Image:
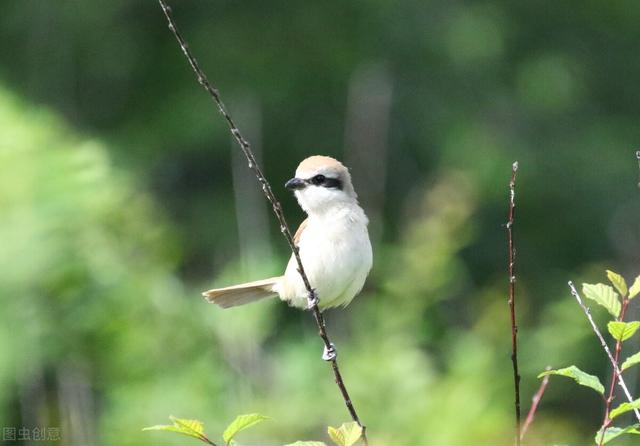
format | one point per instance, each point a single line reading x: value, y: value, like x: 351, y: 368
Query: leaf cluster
x: 346, y: 435
x: 612, y: 298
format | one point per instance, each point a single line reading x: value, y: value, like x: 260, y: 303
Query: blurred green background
x: 122, y: 196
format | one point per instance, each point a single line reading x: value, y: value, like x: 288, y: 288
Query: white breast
x: 336, y: 255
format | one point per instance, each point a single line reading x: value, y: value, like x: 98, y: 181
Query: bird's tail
x: 245, y: 293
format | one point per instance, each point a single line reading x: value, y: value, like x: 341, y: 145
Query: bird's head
x: 321, y: 183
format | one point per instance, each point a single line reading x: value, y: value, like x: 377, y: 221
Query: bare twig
x: 535, y: 402
x: 613, y: 361
x: 512, y: 297
x: 330, y: 351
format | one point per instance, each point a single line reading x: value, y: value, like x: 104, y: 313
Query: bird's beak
x: 295, y: 184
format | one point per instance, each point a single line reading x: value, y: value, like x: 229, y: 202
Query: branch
x: 535, y: 401
x: 606, y: 421
x: 512, y: 298
x: 329, y: 348
x: 204, y: 439
x: 616, y: 369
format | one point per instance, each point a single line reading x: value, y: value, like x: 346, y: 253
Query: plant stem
x: 606, y: 422
x: 205, y: 439
x: 512, y: 297
x: 603, y: 343
x: 535, y: 401
x: 277, y: 209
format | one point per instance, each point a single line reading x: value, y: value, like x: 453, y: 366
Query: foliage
x: 635, y: 288
x: 347, y: 434
x: 624, y: 408
x: 630, y: 361
x: 615, y: 432
x: 190, y: 428
x: 621, y: 331
x: 582, y: 378
x: 603, y: 295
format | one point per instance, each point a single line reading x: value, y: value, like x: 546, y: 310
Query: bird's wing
x: 298, y: 234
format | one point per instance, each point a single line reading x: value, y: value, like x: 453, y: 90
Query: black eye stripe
x: 321, y: 180
x: 333, y: 183
x: 318, y: 180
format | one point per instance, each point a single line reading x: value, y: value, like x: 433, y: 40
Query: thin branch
x: 512, y: 297
x: 205, y: 439
x: 535, y: 402
x: 625, y: 389
x: 330, y: 350
x: 606, y: 421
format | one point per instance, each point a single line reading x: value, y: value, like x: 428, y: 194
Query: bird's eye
x: 318, y: 179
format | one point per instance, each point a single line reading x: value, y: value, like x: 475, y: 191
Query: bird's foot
x: 330, y: 353
x: 312, y: 300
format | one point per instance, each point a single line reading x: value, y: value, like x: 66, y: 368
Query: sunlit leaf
x: 604, y: 295
x: 635, y: 288
x: 307, y: 443
x: 335, y: 436
x: 190, y: 428
x: 624, y: 408
x: 582, y: 378
x: 346, y: 435
x: 240, y: 423
x: 618, y: 281
x: 631, y: 360
x: 614, y: 432
x: 621, y: 331
x: 194, y: 426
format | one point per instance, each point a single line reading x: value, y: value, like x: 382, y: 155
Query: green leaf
x: 631, y: 360
x: 240, y: 423
x: 624, y: 408
x: 615, y: 432
x: 618, y: 281
x: 346, y: 435
x: 582, y: 378
x: 190, y: 428
x: 307, y: 443
x: 621, y: 331
x: 635, y: 288
x: 603, y: 295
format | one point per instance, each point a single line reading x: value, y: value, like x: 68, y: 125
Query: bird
x: 333, y: 243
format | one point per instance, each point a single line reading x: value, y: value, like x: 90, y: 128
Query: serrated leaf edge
x: 632, y: 429
x: 635, y: 288
x: 618, y: 282
x: 339, y: 435
x: 624, y: 408
x: 591, y: 291
x: 228, y: 433
x: 627, y: 329
x: 558, y: 372
x: 631, y: 361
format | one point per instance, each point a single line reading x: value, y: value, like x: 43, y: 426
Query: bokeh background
x: 122, y: 196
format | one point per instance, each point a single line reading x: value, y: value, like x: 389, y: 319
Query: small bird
x: 333, y: 243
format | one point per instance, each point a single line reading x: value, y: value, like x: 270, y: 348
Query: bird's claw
x: 330, y: 353
x: 313, y: 300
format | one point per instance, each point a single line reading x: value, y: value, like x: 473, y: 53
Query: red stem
x: 535, y: 401
x: 606, y: 421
